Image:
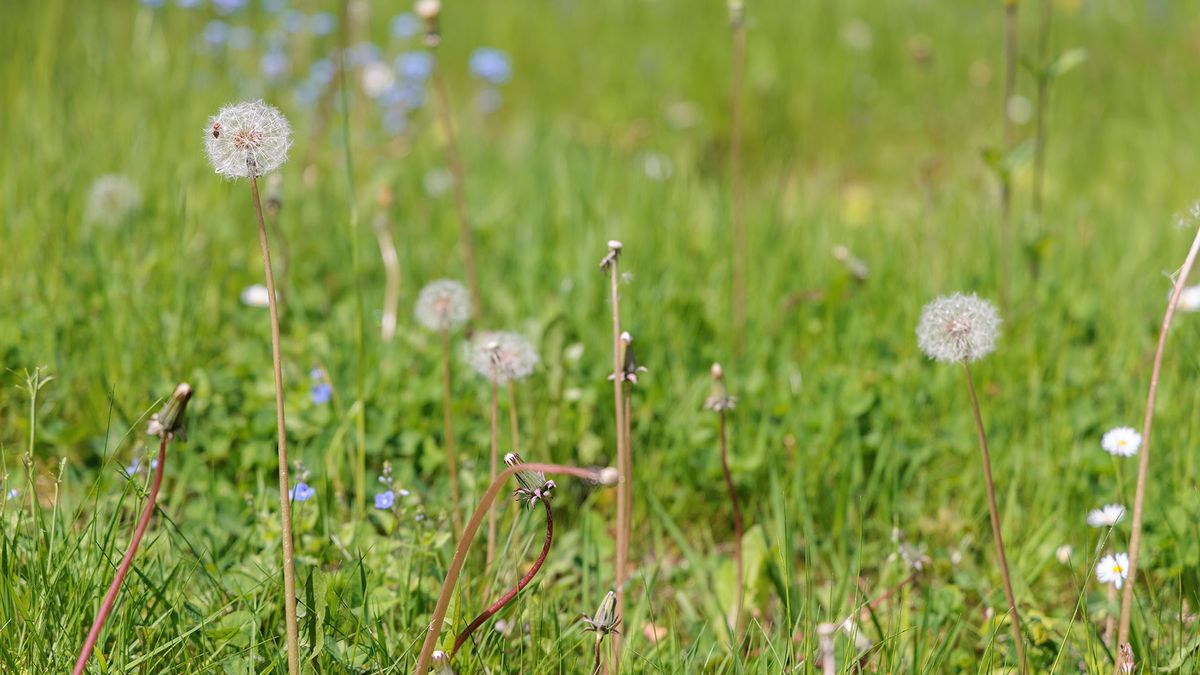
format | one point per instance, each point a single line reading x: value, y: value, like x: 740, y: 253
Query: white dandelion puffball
x: 247, y: 139
x: 1106, y: 516
x: 443, y: 305
x: 1121, y: 441
x: 958, y: 328
x: 1113, y: 569
x: 112, y: 199
x: 501, y: 355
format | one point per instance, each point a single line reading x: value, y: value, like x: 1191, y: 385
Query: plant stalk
x: 622, y: 536
x: 737, y: 532
x: 491, y: 531
x: 448, y: 436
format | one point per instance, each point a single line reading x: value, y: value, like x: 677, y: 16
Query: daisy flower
x: 1113, y: 569
x: 1122, y: 441
x: 1106, y: 516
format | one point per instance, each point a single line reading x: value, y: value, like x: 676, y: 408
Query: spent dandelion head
x: 719, y: 399
x: 958, y: 328
x: 630, y: 368
x: 1121, y: 441
x: 533, y: 484
x: 112, y: 199
x: 610, y: 258
x: 502, y: 356
x: 247, y: 139
x: 429, y: 11
x: 443, y: 305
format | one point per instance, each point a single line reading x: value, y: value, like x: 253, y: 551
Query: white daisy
x: 1123, y: 441
x: 1113, y: 569
x: 1106, y: 516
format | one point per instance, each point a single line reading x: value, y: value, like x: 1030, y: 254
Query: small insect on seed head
x: 534, y: 486
x: 216, y: 130
x: 247, y: 139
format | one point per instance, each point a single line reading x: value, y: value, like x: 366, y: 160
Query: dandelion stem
x: 596, y: 668
x: 627, y: 469
x: 737, y: 532
x: 1015, y: 624
x: 464, y: 545
x: 1139, y: 498
x: 448, y: 435
x: 512, y: 416
x: 110, y: 598
x: 460, y: 197
x: 285, y: 506
x: 738, y: 28
x: 512, y: 592
x: 621, y: 534
x: 491, y: 533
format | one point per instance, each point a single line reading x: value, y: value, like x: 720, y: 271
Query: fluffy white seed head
x: 958, y: 328
x: 112, y: 199
x: 247, y: 139
x: 444, y: 304
x: 502, y: 355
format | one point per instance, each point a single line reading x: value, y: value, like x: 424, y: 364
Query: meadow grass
x: 845, y: 444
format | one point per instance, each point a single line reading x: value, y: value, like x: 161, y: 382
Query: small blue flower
x: 294, y: 21
x: 13, y: 494
x: 216, y: 33
x: 415, y: 66
x: 228, y: 6
x: 301, y: 492
x: 154, y: 463
x: 405, y: 26
x: 241, y: 37
x: 274, y: 64
x: 317, y: 374
x: 321, y: 393
x: 322, y: 23
x: 134, y: 466
x: 491, y: 65
x: 385, y: 500
x: 362, y: 53
x: 403, y: 493
x: 395, y: 121
x: 407, y: 95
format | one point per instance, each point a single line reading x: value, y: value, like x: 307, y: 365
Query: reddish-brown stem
x: 994, y: 512
x: 739, y: 190
x: 285, y: 502
x: 460, y: 196
x: 737, y: 533
x: 110, y: 598
x: 1139, y: 498
x: 491, y: 532
x: 464, y: 545
x: 621, y: 535
x: 596, y: 668
x: 512, y: 592
x: 627, y: 470
x: 448, y: 435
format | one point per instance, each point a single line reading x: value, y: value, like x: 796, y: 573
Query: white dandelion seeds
x: 505, y: 356
x: 1121, y: 441
x: 442, y: 305
x: 112, y: 199
x: 1106, y: 516
x: 247, y: 139
x: 1113, y: 569
x: 958, y: 328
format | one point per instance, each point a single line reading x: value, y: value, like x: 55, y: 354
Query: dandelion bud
x: 170, y: 420
x: 719, y: 399
x: 534, y: 486
x: 605, y: 620
x: 958, y: 328
x: 441, y: 663
x: 247, y: 139
x: 443, y: 305
x: 610, y: 258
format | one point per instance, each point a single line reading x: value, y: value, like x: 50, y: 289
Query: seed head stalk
x: 621, y: 533
x: 285, y: 506
x: 513, y: 423
x: 448, y: 434
x: 1139, y: 498
x: 512, y: 592
x: 994, y: 512
x: 491, y: 531
x: 110, y: 598
x: 468, y: 535
x: 391, y: 266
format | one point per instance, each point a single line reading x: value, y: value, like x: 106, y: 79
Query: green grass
x: 843, y: 433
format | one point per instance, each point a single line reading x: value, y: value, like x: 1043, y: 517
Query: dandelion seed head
x: 442, y: 305
x: 1121, y: 441
x: 112, y: 199
x: 1106, y: 516
x: 958, y: 328
x: 247, y: 139
x: 1113, y: 569
x: 502, y: 355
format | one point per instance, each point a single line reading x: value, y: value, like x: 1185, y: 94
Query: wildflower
x: 415, y: 66
x: 385, y: 500
x: 1063, y: 554
x: 216, y: 32
x: 605, y: 620
x: 1122, y: 441
x: 322, y: 23
x: 322, y: 71
x: 274, y: 64
x: 301, y: 492
x: 491, y: 65
x: 13, y: 493
x: 958, y: 328
x: 1113, y: 569
x: 503, y: 356
x: 247, y: 139
x: 405, y: 26
x: 362, y: 53
x: 317, y: 374
x: 112, y: 199
x: 321, y: 393
x: 443, y: 305
x: 170, y: 419
x: 1189, y: 299
x: 534, y: 486
x: 395, y: 121
x: 1106, y: 516
x: 441, y: 664
x: 256, y: 295
x: 134, y: 466
x: 377, y: 78
x: 719, y: 400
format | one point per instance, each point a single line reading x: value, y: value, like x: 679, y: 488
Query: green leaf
x: 1068, y: 61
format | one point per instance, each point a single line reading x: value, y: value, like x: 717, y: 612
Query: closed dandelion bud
x: 247, y: 139
x: 170, y: 420
x: 630, y: 369
x: 605, y: 620
x: 534, y: 486
x: 443, y: 305
x: 614, y: 252
x: 719, y: 399
x: 441, y: 663
x: 958, y: 328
